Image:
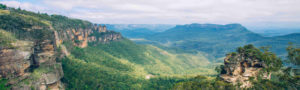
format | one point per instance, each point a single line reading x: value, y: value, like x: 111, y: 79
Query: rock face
x: 14, y: 62
x: 31, y: 62
x: 81, y: 37
x: 240, y: 69
x: 31, y: 45
x: 109, y: 37
x: 31, y: 65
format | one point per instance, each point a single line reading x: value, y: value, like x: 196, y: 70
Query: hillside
x: 28, y: 51
x: 70, y: 53
x: 123, y: 61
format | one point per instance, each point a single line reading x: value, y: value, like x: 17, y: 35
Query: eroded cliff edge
x: 31, y: 65
x: 32, y: 44
x: 249, y: 64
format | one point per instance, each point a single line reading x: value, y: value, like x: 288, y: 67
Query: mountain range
x: 217, y: 40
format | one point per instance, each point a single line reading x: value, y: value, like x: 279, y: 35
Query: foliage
x: 83, y: 75
x: 220, y: 69
x: 283, y: 81
x: 6, y: 39
x: 271, y: 61
x: 25, y: 27
x: 202, y: 82
x: 3, y: 6
x: 3, y: 84
x: 62, y: 23
x: 130, y: 63
x: 90, y: 76
x: 293, y: 55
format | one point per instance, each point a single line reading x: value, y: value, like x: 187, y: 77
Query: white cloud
x: 171, y: 11
x: 25, y: 5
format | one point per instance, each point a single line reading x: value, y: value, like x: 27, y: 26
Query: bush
x: 3, y: 6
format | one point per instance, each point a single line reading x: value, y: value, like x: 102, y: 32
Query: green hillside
x: 124, y: 61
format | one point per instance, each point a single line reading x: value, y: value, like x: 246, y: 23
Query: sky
x: 251, y: 13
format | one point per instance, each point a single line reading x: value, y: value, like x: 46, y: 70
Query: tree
x: 293, y: 55
x: 220, y: 69
x: 3, y: 6
x: 272, y: 62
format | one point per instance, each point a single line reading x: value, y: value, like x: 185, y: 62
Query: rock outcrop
x: 97, y: 33
x: 109, y: 37
x: 31, y: 45
x: 15, y: 61
x: 240, y: 68
x: 31, y: 65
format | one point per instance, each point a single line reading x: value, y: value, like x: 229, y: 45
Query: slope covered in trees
x: 124, y: 64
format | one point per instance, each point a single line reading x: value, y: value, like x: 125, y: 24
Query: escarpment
x: 31, y: 46
x: 239, y: 69
x: 247, y: 65
x: 31, y: 65
x: 14, y: 61
x: 96, y: 34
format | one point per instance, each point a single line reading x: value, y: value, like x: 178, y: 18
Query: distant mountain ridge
x: 194, y: 31
x: 219, y: 39
x: 276, y: 32
x: 210, y: 26
x: 151, y: 27
x: 139, y: 30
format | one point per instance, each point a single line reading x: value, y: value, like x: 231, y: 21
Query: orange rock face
x: 14, y: 62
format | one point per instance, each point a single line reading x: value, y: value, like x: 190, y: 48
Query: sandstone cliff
x: 31, y: 65
x: 32, y: 44
x: 243, y: 67
x: 81, y: 37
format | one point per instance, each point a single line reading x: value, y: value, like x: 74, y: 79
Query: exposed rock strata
x: 239, y: 69
x: 32, y: 64
x: 97, y: 33
x: 14, y: 61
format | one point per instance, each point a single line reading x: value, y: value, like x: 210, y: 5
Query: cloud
x: 31, y: 7
x: 171, y: 11
x: 24, y: 5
